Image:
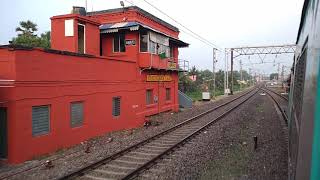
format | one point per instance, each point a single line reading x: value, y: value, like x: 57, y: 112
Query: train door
x: 3, y: 133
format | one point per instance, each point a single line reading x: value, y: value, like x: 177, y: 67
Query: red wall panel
x: 57, y: 80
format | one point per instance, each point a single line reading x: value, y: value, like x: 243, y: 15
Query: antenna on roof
x: 122, y: 4
x: 86, y: 5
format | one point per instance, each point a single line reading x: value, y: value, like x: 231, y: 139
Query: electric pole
x: 226, y: 73
x: 231, y: 91
x: 278, y: 71
x: 240, y: 73
x: 213, y: 71
x: 282, y: 73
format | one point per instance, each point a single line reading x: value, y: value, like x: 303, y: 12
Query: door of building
x: 3, y: 133
x: 81, y: 39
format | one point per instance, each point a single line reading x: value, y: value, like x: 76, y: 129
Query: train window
x: 298, y: 84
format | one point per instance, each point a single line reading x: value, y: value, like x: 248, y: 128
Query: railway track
x: 130, y: 162
x: 281, y: 106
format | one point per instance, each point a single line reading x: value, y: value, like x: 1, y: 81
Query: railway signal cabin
x: 107, y: 70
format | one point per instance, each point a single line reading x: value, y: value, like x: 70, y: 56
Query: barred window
x: 40, y: 120
x: 116, y: 106
x: 168, y: 94
x: 76, y: 109
x: 149, y: 96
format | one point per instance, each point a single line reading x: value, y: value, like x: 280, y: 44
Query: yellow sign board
x: 172, y: 65
x: 160, y: 78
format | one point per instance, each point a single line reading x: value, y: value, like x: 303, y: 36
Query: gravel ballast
x: 226, y: 150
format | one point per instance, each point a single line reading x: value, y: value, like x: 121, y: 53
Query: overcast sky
x: 226, y: 23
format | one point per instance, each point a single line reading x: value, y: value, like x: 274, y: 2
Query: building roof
x: 145, y: 13
x: 134, y: 26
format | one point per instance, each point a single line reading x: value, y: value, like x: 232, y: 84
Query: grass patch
x: 195, y: 96
x: 259, y: 108
x: 230, y: 166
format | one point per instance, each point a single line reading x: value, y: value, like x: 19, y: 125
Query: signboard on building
x: 172, y: 65
x: 159, y: 78
x: 130, y: 42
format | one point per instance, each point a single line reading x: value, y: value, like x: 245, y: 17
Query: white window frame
x: 119, y: 44
x: 68, y: 27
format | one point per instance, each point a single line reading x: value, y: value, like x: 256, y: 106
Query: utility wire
x: 180, y: 29
x: 213, y: 45
x: 190, y: 33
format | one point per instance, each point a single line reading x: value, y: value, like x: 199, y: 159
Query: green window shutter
x: 76, y: 114
x: 40, y: 120
x: 116, y: 106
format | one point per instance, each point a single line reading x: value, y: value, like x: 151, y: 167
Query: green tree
x: 27, y: 37
x: 45, y: 40
x: 205, y: 78
x: 193, y: 71
x: 27, y: 28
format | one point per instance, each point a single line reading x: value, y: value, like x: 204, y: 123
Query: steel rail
x: 277, y: 94
x: 153, y: 160
x: 103, y: 161
x: 283, y: 113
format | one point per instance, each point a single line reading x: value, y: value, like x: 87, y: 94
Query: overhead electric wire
x: 192, y: 34
x: 182, y: 25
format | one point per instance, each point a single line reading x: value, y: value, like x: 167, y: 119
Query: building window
x: 149, y: 96
x: 76, y: 111
x: 171, y: 52
x: 168, y: 94
x: 165, y: 50
x: 144, y: 41
x: 40, y: 120
x: 152, y: 47
x: 119, y: 43
x: 116, y: 106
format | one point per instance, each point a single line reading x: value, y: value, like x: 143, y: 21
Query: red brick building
x: 106, y: 71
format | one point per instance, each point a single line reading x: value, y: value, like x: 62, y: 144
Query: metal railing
x: 183, y: 65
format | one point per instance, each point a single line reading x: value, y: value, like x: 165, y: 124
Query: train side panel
x: 304, y: 127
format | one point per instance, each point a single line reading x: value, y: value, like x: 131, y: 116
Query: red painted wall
x: 58, y: 39
x: 70, y: 43
x: 57, y: 80
x: 43, y: 78
x: 92, y: 34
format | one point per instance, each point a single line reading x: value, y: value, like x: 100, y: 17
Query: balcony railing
x: 156, y: 62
